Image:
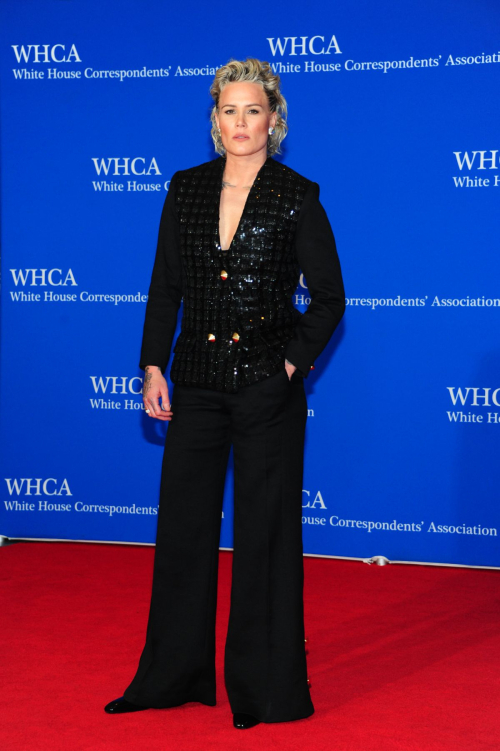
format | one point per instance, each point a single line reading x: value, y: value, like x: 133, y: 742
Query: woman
x: 234, y: 234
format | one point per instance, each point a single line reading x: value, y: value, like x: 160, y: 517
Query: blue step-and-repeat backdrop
x: 394, y: 111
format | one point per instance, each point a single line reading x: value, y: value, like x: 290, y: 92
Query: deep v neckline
x: 245, y: 205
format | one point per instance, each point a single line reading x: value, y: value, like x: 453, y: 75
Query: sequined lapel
x: 251, y: 203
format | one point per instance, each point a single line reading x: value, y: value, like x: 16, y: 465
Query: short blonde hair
x: 251, y: 71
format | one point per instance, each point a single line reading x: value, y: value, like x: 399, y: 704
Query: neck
x: 241, y: 170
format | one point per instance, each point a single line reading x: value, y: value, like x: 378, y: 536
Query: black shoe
x: 244, y: 721
x: 121, y: 705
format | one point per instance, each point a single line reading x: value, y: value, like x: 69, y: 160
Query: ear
x: 273, y: 119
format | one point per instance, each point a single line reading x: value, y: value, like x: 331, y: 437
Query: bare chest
x: 232, y: 205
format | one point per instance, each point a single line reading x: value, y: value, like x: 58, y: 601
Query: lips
x: 240, y: 138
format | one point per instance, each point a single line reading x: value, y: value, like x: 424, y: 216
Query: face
x: 244, y: 118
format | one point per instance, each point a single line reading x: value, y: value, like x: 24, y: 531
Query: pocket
x: 279, y: 376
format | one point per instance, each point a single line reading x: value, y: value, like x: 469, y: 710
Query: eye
x: 228, y: 112
x: 254, y: 112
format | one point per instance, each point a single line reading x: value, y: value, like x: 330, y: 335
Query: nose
x: 240, y: 121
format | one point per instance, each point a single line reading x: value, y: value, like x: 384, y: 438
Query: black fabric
x: 265, y: 661
x: 237, y: 329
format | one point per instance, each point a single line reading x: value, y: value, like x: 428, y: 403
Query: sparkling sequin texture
x: 243, y: 296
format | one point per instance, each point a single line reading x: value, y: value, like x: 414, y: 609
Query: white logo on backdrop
x: 35, y: 54
x: 321, y: 45
x: 27, y: 487
x: 46, y: 53
x: 398, y: 302
x: 467, y: 161
x: 37, y: 486
x: 125, y: 166
x: 395, y: 526
x: 108, y: 388
x: 26, y: 279
x: 108, y: 168
x: 43, y: 277
x: 475, y: 400
x: 315, y: 45
x: 386, y: 302
x: 316, y: 503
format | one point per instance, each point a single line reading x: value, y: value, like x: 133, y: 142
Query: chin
x: 244, y: 149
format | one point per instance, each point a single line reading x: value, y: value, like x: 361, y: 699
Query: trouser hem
x: 269, y: 721
x: 155, y: 704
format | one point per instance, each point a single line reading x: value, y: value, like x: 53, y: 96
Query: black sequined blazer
x: 239, y: 323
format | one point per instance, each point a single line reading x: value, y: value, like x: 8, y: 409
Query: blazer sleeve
x: 165, y: 290
x: 316, y: 253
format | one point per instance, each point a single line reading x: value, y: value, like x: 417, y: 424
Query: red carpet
x: 400, y: 657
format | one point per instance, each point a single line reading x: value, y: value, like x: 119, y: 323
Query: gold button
x: 223, y: 274
x: 211, y: 338
x: 235, y: 337
x: 262, y: 318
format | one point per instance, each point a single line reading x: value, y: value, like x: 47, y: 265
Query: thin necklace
x: 225, y: 184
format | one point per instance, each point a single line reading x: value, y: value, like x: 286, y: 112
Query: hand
x: 155, y: 386
x: 290, y: 369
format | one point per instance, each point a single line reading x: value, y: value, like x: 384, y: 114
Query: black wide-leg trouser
x: 265, y: 661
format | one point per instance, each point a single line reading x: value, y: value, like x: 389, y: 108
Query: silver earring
x: 271, y: 131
